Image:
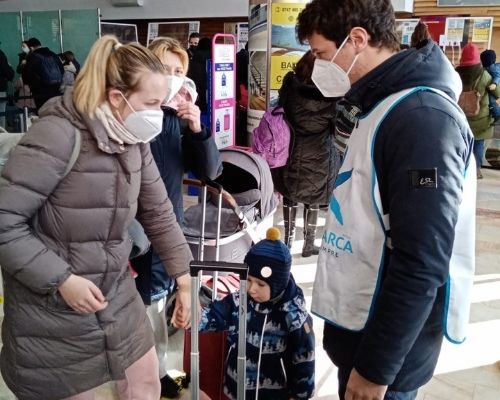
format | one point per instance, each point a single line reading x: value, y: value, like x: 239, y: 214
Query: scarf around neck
x: 116, y: 131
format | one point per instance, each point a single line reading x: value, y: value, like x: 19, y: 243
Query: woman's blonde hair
x: 161, y: 45
x: 111, y: 65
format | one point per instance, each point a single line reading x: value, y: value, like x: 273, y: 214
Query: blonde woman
x: 73, y: 319
x: 183, y: 144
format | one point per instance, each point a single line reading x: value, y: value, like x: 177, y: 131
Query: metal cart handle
x: 216, y: 266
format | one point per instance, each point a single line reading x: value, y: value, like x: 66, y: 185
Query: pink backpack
x: 271, y: 139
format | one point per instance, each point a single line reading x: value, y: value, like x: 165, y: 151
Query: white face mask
x: 329, y: 78
x: 145, y: 125
x: 174, y: 84
x: 25, y: 50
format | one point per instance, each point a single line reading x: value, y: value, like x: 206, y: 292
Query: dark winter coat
x: 175, y: 150
x: 401, y: 342
x: 481, y: 124
x: 309, y: 174
x: 198, y: 73
x: 51, y: 227
x: 6, y: 72
x: 32, y: 73
x: 286, y: 366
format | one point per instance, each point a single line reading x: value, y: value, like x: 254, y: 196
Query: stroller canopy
x: 246, y: 171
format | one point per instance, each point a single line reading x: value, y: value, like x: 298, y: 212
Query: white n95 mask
x: 329, y: 78
x: 145, y: 125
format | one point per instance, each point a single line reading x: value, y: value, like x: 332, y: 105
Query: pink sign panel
x: 223, y: 89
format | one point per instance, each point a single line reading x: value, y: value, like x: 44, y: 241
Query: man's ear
x: 115, y: 98
x: 359, y: 38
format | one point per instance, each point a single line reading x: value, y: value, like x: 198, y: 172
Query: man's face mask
x: 330, y: 78
x: 145, y: 125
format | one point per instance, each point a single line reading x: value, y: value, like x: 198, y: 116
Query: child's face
x: 258, y: 290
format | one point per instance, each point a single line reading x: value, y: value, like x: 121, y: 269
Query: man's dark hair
x: 334, y: 19
x: 193, y: 35
x: 33, y: 42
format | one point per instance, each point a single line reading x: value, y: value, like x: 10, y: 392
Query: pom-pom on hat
x: 270, y: 260
x: 470, y: 55
x: 488, y: 57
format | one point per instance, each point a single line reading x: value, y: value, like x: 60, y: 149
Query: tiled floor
x: 470, y: 371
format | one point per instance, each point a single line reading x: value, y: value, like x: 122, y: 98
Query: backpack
x: 470, y: 101
x: 9, y: 140
x: 50, y: 73
x: 271, y: 139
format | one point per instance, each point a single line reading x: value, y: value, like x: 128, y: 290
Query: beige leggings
x: 141, y: 381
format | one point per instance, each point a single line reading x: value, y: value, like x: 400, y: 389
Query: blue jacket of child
x: 280, y: 345
x: 494, y: 71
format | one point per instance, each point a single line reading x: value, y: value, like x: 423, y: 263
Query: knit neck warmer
x: 115, y: 129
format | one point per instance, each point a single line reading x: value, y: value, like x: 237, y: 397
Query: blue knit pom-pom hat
x: 270, y: 260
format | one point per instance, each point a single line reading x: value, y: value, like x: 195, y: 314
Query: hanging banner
x: 223, y: 89
x: 286, y: 51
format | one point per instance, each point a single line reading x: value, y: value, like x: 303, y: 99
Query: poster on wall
x: 467, y: 3
x: 286, y: 51
x: 405, y: 28
x: 126, y: 33
x: 179, y: 30
x: 223, y: 89
x: 462, y: 30
x: 240, y: 30
x: 257, y: 72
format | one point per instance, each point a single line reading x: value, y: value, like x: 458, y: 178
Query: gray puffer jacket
x: 53, y: 226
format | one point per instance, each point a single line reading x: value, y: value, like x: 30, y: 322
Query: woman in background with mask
x: 309, y: 173
x: 184, y: 144
x: 73, y: 319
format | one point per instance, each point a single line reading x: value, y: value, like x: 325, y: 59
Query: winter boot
x: 289, y: 215
x: 310, y: 223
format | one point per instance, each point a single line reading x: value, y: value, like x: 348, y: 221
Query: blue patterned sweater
x: 280, y: 345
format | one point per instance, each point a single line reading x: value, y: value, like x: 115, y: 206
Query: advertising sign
x: 285, y: 49
x: 223, y: 89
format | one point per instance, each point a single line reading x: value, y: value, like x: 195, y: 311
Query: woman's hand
x: 191, y: 113
x: 181, y: 316
x: 82, y: 295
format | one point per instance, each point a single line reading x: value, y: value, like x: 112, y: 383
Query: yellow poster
x: 481, y: 30
x: 280, y: 66
x: 286, y: 13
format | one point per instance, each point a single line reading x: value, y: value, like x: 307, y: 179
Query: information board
x: 223, y: 89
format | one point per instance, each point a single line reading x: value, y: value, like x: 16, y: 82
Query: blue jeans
x: 343, y: 376
x: 478, y: 152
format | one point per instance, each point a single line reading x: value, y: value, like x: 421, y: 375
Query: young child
x: 488, y: 59
x: 280, y: 337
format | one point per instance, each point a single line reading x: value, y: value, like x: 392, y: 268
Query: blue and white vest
x: 352, y: 253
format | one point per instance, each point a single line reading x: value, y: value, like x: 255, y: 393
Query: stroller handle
x: 218, y: 266
x: 215, y: 188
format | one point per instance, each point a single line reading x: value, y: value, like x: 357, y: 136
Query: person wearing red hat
x: 475, y: 77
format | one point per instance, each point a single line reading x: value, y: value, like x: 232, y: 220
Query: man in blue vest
x: 397, y: 260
